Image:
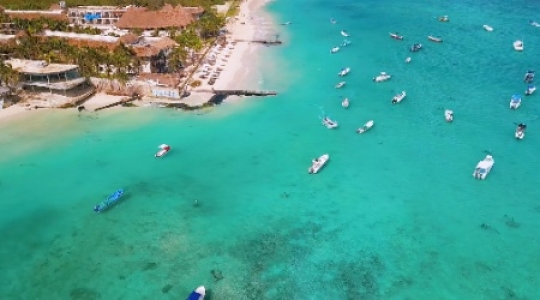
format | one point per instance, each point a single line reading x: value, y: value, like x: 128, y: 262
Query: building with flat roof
x: 60, y: 79
x: 54, y: 12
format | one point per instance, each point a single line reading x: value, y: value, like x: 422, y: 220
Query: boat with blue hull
x: 197, y: 294
x: 111, y: 200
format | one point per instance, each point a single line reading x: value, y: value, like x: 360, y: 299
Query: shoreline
x: 240, y: 69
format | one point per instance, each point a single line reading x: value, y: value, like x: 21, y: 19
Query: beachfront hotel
x: 58, y: 84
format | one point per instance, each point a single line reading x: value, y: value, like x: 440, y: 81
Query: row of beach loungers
x: 218, y: 58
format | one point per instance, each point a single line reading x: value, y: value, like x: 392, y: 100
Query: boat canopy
x: 531, y: 86
x: 194, y: 296
x: 516, y: 97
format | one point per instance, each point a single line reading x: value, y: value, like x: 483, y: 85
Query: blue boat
x: 111, y: 200
x: 197, y: 294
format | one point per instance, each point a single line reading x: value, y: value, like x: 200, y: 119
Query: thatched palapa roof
x: 167, y: 17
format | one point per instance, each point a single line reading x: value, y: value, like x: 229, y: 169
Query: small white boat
x: 483, y: 167
x: 415, y: 47
x: 345, y: 103
x: 163, y: 149
x: 436, y: 39
x: 345, y: 33
x: 515, y: 101
x: 344, y: 71
x: 197, y: 294
x: 534, y: 23
x: 488, y: 28
x: 520, y: 131
x: 518, y: 45
x: 334, y: 50
x: 382, y: 77
x: 529, y: 77
x: 397, y: 98
x: 366, y: 127
x: 449, y: 115
x: 444, y: 19
x: 530, y: 89
x: 340, y: 85
x: 395, y: 36
x: 408, y: 60
x: 318, y: 163
x: 330, y: 124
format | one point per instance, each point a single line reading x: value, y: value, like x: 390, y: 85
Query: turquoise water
x: 395, y: 214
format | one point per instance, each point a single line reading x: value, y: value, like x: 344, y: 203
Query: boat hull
x: 318, y: 163
x: 483, y: 168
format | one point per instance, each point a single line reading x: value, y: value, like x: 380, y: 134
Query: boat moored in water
x: 529, y: 77
x: 382, y: 77
x: 534, y: 23
x: 163, y: 149
x: 449, y: 115
x: 408, y: 60
x: 520, y: 131
x: 110, y: 201
x: 518, y: 45
x: 197, y: 294
x: 366, y: 127
x: 488, y: 28
x: 340, y: 85
x: 436, y: 39
x: 530, y: 89
x: 334, y: 50
x: 344, y: 71
x: 515, y: 101
x: 397, y: 98
x: 415, y: 47
x: 444, y: 19
x: 345, y: 33
x: 484, y: 167
x: 329, y: 123
x: 345, y: 103
x: 318, y: 163
x: 395, y: 36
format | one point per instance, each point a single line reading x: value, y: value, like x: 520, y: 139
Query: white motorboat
x: 329, y: 123
x: 436, y: 39
x: 518, y: 45
x: 163, y: 149
x: 345, y: 103
x: 197, y: 294
x: 483, y: 167
x: 530, y: 89
x: 340, y: 85
x: 334, y: 50
x: 515, y: 101
x: 397, y: 98
x: 344, y: 71
x: 382, y: 77
x: 366, y: 127
x: 396, y: 36
x: 529, y: 77
x: 534, y: 23
x: 408, y: 60
x: 345, y: 33
x: 520, y: 131
x: 449, y: 115
x: 318, y: 163
x: 488, y: 28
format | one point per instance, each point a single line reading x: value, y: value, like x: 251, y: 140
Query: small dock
x: 264, y: 42
x: 123, y: 101
x: 261, y: 93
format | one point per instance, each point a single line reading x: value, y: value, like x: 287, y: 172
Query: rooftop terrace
x: 38, y: 67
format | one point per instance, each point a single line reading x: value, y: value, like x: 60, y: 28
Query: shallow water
x: 395, y: 214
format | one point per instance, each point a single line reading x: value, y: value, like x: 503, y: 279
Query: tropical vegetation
x: 120, y: 62
x: 45, y: 4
